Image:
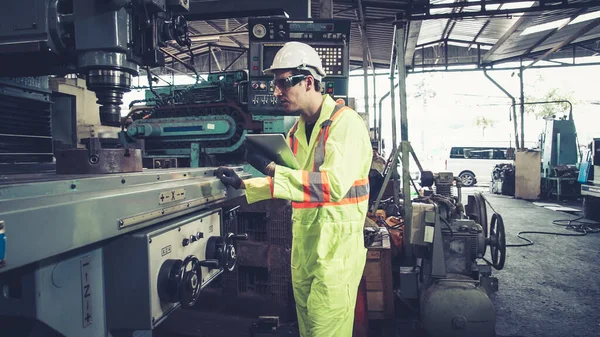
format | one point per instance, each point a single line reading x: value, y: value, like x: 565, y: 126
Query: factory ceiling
x: 440, y: 34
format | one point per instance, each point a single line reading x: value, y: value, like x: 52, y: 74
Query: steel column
x: 401, y: 66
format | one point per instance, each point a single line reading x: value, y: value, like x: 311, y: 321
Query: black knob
x: 200, y: 235
x: 185, y: 242
x: 193, y: 238
x: 211, y: 264
x: 281, y: 33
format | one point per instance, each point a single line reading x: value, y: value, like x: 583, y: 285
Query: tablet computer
x: 274, y: 147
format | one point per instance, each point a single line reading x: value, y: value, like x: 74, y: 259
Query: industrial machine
x: 91, y: 244
x: 443, y: 271
x: 331, y: 39
x: 200, y: 126
x: 560, y: 152
x: 589, y: 177
x: 206, y: 125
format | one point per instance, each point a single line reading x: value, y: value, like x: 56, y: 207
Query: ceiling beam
x: 553, y: 31
x: 582, y: 31
x: 487, y: 58
x: 219, y: 30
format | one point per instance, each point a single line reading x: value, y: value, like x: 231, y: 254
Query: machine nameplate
x: 171, y: 196
x: 86, y: 290
x: 187, y: 205
x: 165, y: 250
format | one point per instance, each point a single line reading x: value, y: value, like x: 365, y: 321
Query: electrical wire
x: 581, y: 227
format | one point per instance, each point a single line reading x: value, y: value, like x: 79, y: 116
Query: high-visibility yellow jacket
x: 329, y: 197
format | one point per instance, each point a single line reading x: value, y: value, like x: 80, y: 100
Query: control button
x: 255, y: 68
x: 193, y: 238
x: 281, y: 34
x: 185, y: 242
x: 255, y: 85
x: 200, y: 235
x: 255, y: 58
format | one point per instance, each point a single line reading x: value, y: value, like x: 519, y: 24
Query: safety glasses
x: 286, y: 83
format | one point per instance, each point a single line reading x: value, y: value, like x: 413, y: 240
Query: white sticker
x: 86, y: 290
x: 210, y: 126
x: 428, y: 236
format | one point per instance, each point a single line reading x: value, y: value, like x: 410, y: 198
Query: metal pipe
x: 522, y: 109
x: 212, y: 51
x: 376, y: 131
x: 395, y: 186
x: 514, y: 108
x: 216, y: 36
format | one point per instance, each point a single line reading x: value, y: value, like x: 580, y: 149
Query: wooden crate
x: 528, y: 175
x: 378, y: 275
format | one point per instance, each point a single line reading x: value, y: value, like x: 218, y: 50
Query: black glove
x: 228, y: 177
x: 260, y: 162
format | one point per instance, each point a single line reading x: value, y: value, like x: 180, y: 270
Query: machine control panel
x: 157, y: 270
x: 329, y: 37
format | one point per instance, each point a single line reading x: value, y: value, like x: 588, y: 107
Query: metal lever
x: 235, y: 237
x: 210, y: 264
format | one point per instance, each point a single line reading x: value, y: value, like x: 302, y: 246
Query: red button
x: 255, y: 67
x: 330, y: 90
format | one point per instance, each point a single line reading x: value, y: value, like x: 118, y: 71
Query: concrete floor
x: 550, y: 289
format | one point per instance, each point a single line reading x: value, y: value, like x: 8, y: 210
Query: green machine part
x: 559, y: 145
x: 198, y: 128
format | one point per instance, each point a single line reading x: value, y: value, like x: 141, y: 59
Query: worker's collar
x: 327, y: 106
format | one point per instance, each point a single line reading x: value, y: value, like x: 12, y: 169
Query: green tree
x: 484, y: 123
x: 546, y: 110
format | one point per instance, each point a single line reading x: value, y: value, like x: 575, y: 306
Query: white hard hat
x: 298, y: 55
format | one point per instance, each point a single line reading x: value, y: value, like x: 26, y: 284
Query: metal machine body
x: 81, y: 241
x: 200, y: 126
x: 447, y: 273
x: 54, y: 37
x: 559, y: 158
x: 589, y: 177
x: 331, y: 39
x: 96, y: 245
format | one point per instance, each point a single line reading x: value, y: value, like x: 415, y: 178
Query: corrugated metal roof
x: 475, y: 40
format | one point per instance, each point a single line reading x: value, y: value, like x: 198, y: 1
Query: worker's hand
x: 229, y: 178
x: 260, y: 162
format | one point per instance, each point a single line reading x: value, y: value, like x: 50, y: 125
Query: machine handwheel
x: 216, y: 250
x: 170, y: 277
x: 231, y: 257
x: 189, y: 289
x: 477, y: 211
x: 497, y: 241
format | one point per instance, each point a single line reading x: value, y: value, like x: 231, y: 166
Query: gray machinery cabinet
x: 140, y: 295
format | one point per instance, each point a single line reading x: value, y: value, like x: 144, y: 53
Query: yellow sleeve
x: 258, y: 189
x: 348, y: 156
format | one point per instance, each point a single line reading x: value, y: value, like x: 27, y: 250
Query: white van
x: 474, y: 164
